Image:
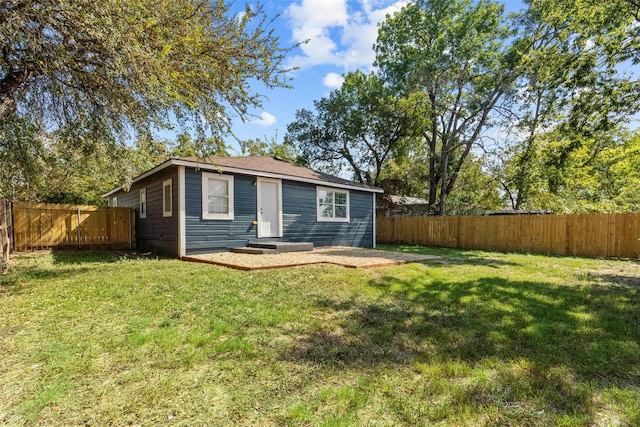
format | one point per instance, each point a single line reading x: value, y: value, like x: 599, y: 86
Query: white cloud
x: 266, y: 119
x: 337, y: 34
x: 333, y: 80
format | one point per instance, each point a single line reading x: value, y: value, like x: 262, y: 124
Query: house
x: 188, y: 205
x: 394, y: 205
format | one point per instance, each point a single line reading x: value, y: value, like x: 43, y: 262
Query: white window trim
x: 165, y: 184
x: 205, y: 196
x: 327, y: 219
x: 114, y: 202
x: 143, y: 195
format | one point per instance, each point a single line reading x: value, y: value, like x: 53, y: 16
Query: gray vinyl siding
x: 129, y: 199
x: 203, y: 235
x: 155, y: 232
x: 301, y: 225
x: 299, y: 217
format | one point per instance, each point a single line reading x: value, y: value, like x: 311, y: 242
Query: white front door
x: 269, y: 207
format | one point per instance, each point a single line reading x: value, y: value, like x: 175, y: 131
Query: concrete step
x: 281, y: 247
x: 256, y: 251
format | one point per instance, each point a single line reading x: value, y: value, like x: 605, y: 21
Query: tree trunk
x: 5, y: 244
x: 8, y: 85
x: 444, y: 164
x: 7, y: 107
x: 433, y: 180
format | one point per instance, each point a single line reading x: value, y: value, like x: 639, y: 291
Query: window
x: 217, y: 196
x: 143, y: 203
x: 167, y: 201
x: 114, y: 202
x: 333, y: 205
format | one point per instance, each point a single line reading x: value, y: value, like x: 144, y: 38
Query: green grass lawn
x: 477, y: 339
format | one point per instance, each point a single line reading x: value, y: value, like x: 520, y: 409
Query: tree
x: 81, y: 177
x: 477, y: 191
x: 100, y: 69
x: 254, y: 147
x: 453, y: 59
x: 49, y: 167
x: 23, y: 156
x: 571, y: 91
x: 269, y: 146
x: 146, y: 153
x: 186, y: 146
x: 602, y: 175
x: 357, y: 127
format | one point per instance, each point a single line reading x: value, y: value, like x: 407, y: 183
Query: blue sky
x: 341, y: 34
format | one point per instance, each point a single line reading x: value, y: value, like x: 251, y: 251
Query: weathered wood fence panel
x: 593, y: 235
x: 38, y: 225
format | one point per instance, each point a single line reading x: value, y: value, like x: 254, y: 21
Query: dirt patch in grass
x: 338, y: 255
x: 628, y: 277
x: 617, y: 278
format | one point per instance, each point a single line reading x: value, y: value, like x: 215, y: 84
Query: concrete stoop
x: 274, y: 247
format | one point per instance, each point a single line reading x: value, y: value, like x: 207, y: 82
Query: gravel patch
x: 339, y: 255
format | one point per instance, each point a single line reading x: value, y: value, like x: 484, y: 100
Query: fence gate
x: 40, y: 225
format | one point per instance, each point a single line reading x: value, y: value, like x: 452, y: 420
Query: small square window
x: 332, y: 205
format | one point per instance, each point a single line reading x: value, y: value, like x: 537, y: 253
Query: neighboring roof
x: 406, y: 200
x: 266, y: 166
x: 519, y: 212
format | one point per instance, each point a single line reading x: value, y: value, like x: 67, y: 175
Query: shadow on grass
x: 564, y: 335
x: 89, y: 256
x: 85, y: 256
x: 451, y: 256
x: 629, y: 281
x: 66, y: 263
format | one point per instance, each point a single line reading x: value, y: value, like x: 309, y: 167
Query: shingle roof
x: 256, y: 165
x: 406, y: 200
x: 273, y: 165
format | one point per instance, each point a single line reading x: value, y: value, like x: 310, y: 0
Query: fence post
x: 9, y: 228
x: 79, y: 232
x: 5, y: 246
x: 129, y: 227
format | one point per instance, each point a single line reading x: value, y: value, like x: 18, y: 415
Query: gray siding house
x: 186, y: 205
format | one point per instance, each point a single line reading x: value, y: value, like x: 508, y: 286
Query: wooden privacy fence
x: 37, y: 225
x: 592, y: 235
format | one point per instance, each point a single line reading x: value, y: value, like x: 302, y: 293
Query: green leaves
x: 133, y: 65
x: 574, y: 96
x: 450, y: 59
x: 357, y: 127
